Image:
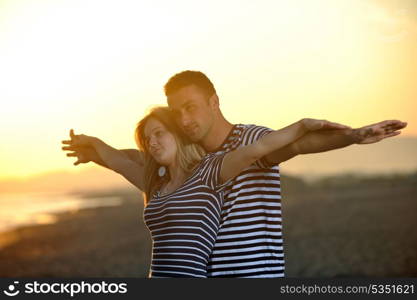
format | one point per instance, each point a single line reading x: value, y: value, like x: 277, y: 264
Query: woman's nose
x: 152, y: 141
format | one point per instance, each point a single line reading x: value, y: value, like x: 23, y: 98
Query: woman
x: 182, y: 187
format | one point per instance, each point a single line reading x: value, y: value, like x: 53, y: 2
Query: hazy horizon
x: 392, y: 156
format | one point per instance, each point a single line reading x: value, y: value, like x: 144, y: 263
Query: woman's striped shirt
x: 249, y: 242
x: 184, y: 223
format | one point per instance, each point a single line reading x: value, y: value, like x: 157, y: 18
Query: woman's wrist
x: 94, y: 141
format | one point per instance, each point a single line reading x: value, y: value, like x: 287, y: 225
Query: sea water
x: 40, y: 208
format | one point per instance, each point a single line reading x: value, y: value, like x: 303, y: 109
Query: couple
x: 212, y: 189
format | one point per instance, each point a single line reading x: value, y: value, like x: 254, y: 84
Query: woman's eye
x: 190, y: 108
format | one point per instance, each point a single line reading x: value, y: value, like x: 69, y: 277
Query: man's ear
x: 214, y: 101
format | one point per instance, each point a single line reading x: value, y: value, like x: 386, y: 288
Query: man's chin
x: 192, y: 135
x: 195, y: 138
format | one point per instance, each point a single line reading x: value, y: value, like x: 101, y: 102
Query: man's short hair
x: 186, y: 78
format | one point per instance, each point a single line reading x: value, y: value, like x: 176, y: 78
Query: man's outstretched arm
x: 326, y: 140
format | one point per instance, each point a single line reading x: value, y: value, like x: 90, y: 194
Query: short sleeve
x: 210, y: 168
x: 258, y: 133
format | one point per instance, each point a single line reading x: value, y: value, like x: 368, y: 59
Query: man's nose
x: 185, y: 120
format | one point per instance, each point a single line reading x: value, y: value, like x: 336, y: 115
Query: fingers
x: 73, y: 148
x: 80, y: 159
x: 392, y: 134
x: 392, y: 128
x: 69, y: 148
x: 389, y: 123
x: 73, y: 143
x: 393, y: 124
x: 72, y: 140
x: 386, y: 127
x: 397, y: 125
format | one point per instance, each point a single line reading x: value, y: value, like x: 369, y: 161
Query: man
x: 250, y: 241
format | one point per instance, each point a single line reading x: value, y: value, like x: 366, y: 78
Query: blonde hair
x: 188, y: 154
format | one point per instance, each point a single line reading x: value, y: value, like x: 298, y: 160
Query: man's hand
x: 378, y: 131
x: 81, y: 149
x: 313, y: 125
x: 317, y: 141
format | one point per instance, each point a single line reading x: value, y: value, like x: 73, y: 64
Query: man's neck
x: 217, y: 135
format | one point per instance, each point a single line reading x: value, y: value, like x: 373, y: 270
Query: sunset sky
x: 97, y: 66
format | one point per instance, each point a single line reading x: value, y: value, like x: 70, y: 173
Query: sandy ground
x: 366, y: 231
x: 352, y: 233
x: 96, y: 242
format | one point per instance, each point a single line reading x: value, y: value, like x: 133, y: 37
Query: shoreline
x: 78, y: 244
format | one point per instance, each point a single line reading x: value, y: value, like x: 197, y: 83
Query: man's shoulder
x: 252, y: 132
x: 243, y: 134
x: 252, y: 127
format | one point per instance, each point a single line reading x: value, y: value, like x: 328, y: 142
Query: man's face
x: 194, y: 111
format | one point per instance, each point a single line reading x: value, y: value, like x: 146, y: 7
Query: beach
x: 332, y: 229
x: 92, y: 242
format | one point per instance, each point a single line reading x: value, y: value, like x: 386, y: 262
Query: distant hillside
x: 395, y: 155
x: 92, y: 178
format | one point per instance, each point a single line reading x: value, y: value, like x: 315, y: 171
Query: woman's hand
x: 89, y: 148
x: 313, y: 125
x: 84, y: 155
x: 81, y: 147
x: 79, y: 140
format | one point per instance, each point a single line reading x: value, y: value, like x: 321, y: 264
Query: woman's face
x: 160, y: 142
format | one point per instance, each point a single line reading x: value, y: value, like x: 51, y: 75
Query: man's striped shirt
x: 249, y: 242
x: 184, y: 223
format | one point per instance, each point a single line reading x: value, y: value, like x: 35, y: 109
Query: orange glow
x: 96, y: 66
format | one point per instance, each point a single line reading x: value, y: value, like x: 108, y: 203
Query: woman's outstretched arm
x: 117, y: 160
x: 86, y: 154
